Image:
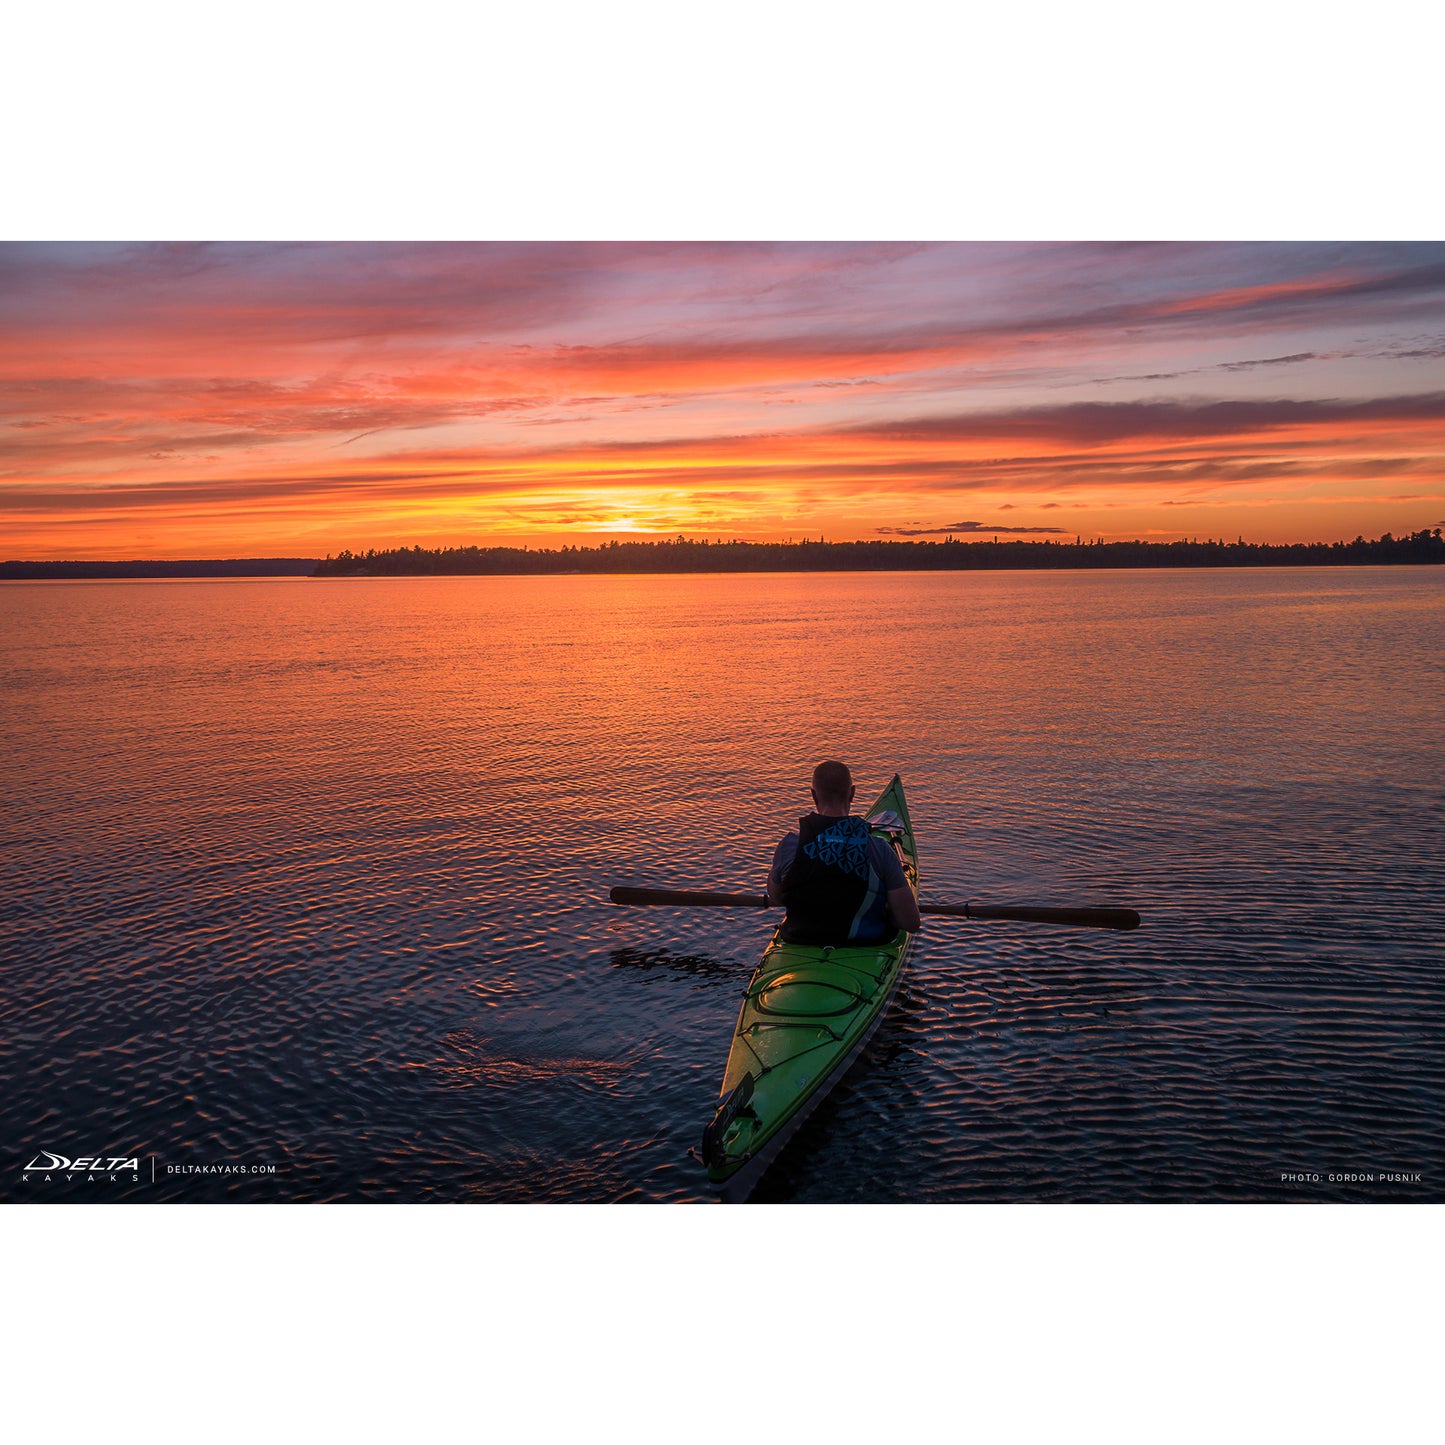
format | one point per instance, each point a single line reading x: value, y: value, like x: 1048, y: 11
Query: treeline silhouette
x: 198, y: 567
x: 683, y: 555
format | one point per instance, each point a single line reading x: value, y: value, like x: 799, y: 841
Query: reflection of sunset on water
x: 316, y: 873
x: 294, y: 400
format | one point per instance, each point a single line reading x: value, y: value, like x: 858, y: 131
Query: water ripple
x: 311, y: 879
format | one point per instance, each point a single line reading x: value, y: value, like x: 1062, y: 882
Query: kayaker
x: 839, y: 883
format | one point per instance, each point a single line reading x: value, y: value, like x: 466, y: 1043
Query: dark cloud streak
x: 961, y: 528
x: 1098, y: 422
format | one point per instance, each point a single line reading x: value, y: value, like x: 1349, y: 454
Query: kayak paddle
x: 1081, y: 917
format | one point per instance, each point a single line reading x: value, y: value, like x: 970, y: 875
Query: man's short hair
x: 832, y: 781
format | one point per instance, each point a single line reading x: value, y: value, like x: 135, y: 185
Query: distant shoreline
x: 201, y: 567
x: 682, y: 556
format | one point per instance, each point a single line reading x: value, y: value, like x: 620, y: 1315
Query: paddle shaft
x: 1078, y: 917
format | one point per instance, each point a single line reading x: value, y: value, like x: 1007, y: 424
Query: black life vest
x: 830, y: 880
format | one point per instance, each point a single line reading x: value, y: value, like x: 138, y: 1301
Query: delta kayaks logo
x: 48, y: 1167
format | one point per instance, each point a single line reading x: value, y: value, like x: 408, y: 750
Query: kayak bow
x: 808, y: 1013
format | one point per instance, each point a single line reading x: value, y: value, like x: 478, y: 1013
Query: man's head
x: 832, y: 787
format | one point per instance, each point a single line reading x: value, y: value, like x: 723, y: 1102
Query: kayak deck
x: 808, y: 1012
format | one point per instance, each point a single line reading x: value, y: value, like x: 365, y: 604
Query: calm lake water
x: 311, y: 876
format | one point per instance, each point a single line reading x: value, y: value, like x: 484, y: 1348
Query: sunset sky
x: 294, y: 399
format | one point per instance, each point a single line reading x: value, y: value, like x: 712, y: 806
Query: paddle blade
x: 1078, y: 917
x: 688, y: 898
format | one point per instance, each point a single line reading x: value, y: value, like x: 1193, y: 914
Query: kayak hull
x: 738, y: 1186
x: 808, y: 1013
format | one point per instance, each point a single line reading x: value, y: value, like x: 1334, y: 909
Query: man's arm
x: 903, y: 908
x: 902, y: 905
x: 783, y: 856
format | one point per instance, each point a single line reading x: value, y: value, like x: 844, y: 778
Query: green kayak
x: 807, y: 1014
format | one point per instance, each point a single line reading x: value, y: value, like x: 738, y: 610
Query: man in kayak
x: 839, y: 883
